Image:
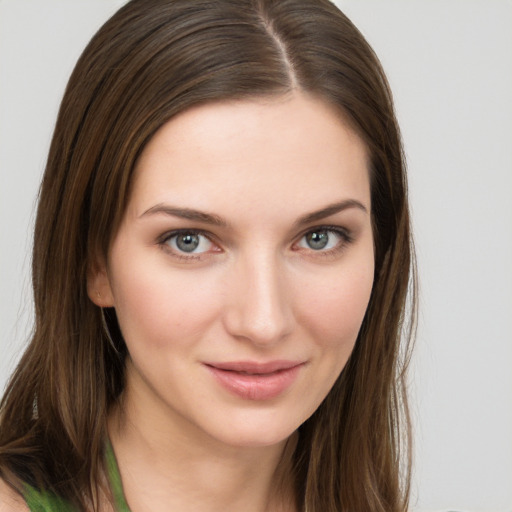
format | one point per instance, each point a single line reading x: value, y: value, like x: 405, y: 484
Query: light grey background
x: 450, y: 65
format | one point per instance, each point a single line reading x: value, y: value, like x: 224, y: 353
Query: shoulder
x: 10, y: 500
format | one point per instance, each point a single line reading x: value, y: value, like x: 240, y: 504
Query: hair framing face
x: 152, y: 60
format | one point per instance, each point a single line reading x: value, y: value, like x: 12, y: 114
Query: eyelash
x: 345, y: 239
x: 163, y: 242
x: 345, y: 236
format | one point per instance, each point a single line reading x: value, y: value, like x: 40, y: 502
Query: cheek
x: 334, y: 308
x: 155, y: 306
x: 331, y: 313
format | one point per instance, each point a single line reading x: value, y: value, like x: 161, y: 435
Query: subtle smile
x: 256, y: 381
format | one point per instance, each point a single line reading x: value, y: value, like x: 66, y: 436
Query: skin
x: 10, y: 500
x: 253, y: 290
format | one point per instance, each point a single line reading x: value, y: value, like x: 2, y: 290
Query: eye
x: 323, y: 239
x: 189, y: 242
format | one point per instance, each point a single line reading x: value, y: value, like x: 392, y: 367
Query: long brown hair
x: 150, y: 61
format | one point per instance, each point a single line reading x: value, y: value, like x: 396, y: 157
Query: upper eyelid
x: 175, y: 232
x: 208, y: 234
x: 181, y: 255
x: 346, y: 238
x: 335, y: 229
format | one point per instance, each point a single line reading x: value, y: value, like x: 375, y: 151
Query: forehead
x: 292, y: 149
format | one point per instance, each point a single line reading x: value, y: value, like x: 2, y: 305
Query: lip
x: 253, y: 380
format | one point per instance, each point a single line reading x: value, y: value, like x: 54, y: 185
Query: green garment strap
x: 43, y: 501
x: 116, y: 486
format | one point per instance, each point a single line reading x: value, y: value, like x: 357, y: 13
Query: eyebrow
x: 329, y: 210
x: 186, y: 213
x: 215, y: 220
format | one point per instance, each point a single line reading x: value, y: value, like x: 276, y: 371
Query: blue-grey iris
x: 317, y: 239
x: 187, y: 242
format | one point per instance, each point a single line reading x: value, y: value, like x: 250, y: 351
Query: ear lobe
x: 98, y: 286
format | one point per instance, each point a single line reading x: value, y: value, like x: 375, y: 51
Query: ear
x: 98, y: 285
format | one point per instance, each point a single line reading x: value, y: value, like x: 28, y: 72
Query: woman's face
x: 243, y: 267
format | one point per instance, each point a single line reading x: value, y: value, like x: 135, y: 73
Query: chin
x: 251, y: 431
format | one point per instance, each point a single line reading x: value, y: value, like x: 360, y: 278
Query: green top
x: 42, y: 501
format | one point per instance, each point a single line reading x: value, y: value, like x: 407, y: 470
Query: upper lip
x: 255, y: 366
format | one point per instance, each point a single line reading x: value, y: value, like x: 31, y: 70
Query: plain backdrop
x: 450, y: 66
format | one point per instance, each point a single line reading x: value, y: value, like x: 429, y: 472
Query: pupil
x: 317, y: 239
x: 188, y: 242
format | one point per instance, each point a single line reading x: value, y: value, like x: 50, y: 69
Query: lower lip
x: 256, y: 386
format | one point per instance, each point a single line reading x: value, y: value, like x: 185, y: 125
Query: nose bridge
x: 260, y: 309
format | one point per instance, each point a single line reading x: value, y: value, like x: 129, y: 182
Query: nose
x: 259, y: 310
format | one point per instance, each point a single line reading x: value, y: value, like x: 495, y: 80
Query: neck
x: 169, y: 465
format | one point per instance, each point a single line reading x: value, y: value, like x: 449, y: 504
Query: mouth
x: 256, y: 381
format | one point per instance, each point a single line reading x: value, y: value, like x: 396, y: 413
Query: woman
x: 220, y: 268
